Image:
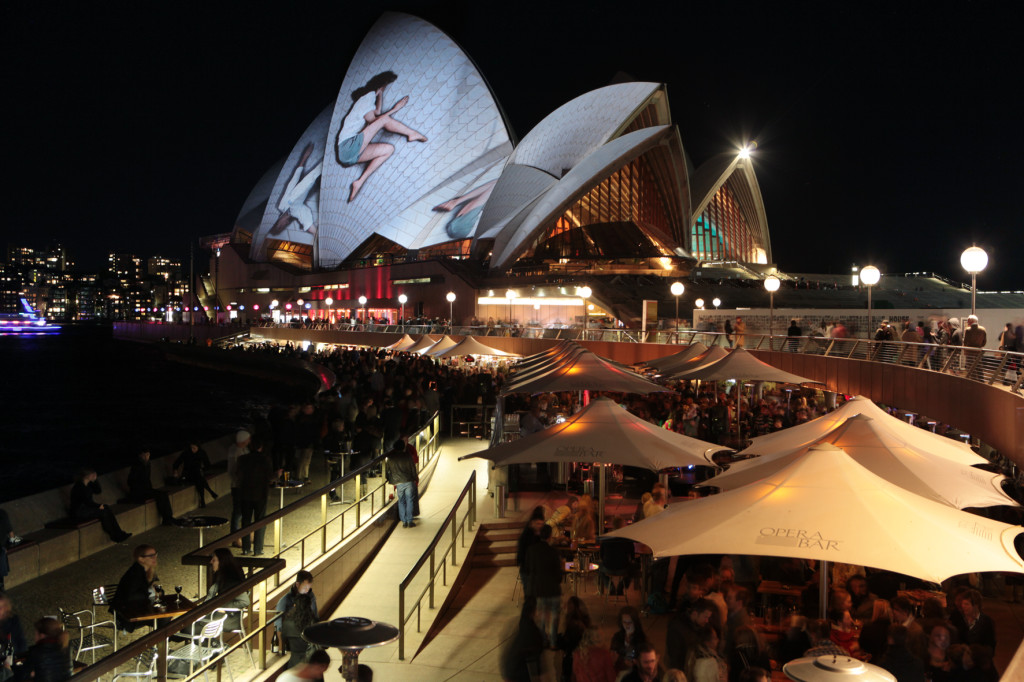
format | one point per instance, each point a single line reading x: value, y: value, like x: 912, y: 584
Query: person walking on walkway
x: 401, y: 472
x: 255, y: 473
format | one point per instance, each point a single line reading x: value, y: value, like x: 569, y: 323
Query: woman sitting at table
x: 845, y: 630
x: 627, y: 640
x: 937, y: 666
x: 227, y: 575
x: 135, y: 590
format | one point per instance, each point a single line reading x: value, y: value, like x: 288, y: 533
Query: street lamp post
x: 509, y: 296
x: 771, y: 283
x: 584, y: 293
x: 677, y: 290
x: 330, y: 313
x: 450, y: 297
x: 974, y: 260
x: 869, y: 276
x: 362, y: 302
x: 402, y: 298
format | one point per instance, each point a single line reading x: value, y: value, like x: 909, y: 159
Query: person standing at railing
x: 401, y: 473
x: 975, y: 336
x: 909, y: 355
x: 740, y: 328
x: 793, y: 335
x: 255, y: 474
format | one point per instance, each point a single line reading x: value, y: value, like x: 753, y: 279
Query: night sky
x: 887, y: 133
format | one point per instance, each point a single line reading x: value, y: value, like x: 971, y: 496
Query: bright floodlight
x: 745, y: 153
x: 362, y: 300
x: 511, y: 293
x: 699, y: 303
x: 450, y: 296
x: 274, y: 303
x: 974, y: 260
x: 771, y: 283
x: 870, y: 275
x: 329, y: 301
x: 584, y: 292
x: 402, y: 298
x: 677, y: 288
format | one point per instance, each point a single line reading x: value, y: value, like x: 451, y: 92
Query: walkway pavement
x: 469, y: 637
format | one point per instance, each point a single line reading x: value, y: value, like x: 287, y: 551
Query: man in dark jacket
x: 543, y: 569
x: 402, y: 474
x: 255, y: 473
x: 140, y: 488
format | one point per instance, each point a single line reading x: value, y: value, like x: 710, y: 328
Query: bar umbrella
x: 404, y: 343
x: 426, y: 341
x: 807, y: 433
x: 670, y: 363
x: 444, y: 343
x: 586, y: 371
x: 471, y: 346
x: 826, y: 506
x: 710, y: 356
x: 906, y: 463
x: 604, y: 433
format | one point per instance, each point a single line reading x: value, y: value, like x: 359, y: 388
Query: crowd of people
x: 717, y: 631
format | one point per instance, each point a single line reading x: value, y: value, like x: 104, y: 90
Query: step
x: 506, y: 537
x: 502, y: 525
x: 495, y: 551
x: 487, y: 562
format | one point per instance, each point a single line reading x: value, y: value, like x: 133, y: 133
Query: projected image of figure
x: 364, y: 120
x: 299, y: 200
x: 472, y: 202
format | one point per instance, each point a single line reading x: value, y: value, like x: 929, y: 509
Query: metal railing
x: 268, y: 574
x: 455, y: 529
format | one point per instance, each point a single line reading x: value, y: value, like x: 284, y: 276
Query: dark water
x: 82, y: 398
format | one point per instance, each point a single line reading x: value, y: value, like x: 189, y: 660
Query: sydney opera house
x: 412, y: 183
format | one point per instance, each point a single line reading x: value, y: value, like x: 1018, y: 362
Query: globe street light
x: 677, y: 290
x: 699, y: 303
x: 584, y: 292
x: 402, y: 298
x: 450, y: 297
x: 716, y: 302
x: 974, y: 261
x: 869, y: 276
x: 330, y: 313
x: 362, y: 302
x: 771, y: 283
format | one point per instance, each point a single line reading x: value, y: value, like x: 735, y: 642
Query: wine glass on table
x: 159, y: 589
x: 177, y: 599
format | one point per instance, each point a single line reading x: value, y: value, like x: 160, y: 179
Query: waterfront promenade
x: 467, y: 642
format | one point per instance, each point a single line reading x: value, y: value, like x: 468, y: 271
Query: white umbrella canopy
x: 740, y: 364
x: 805, y: 434
x: 825, y: 506
x: 604, y: 433
x: 712, y: 355
x: 903, y: 463
x: 670, y: 363
x: 426, y: 341
x: 471, y: 346
x: 404, y: 343
x: 524, y: 374
x: 586, y: 371
x: 444, y: 343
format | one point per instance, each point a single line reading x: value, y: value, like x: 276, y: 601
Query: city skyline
x: 879, y: 131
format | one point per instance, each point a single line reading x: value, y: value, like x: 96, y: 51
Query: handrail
x: 270, y: 570
x: 430, y: 554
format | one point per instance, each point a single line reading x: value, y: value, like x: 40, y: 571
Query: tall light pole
x: 330, y: 313
x: 509, y: 296
x: 362, y: 302
x: 450, y: 297
x: 677, y: 290
x: 974, y: 260
x: 869, y: 276
x: 402, y: 298
x: 771, y: 283
x: 584, y: 293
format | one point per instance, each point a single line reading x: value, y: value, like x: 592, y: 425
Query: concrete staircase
x: 495, y: 544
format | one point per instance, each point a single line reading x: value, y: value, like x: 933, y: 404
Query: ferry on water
x: 26, y: 321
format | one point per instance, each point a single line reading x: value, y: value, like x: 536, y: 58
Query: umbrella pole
x: 823, y: 590
x: 600, y: 500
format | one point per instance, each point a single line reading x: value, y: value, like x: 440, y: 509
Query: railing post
x: 261, y: 601
x: 277, y: 536
x: 401, y: 622
x: 431, y: 578
x: 323, y: 523
x: 453, y: 544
